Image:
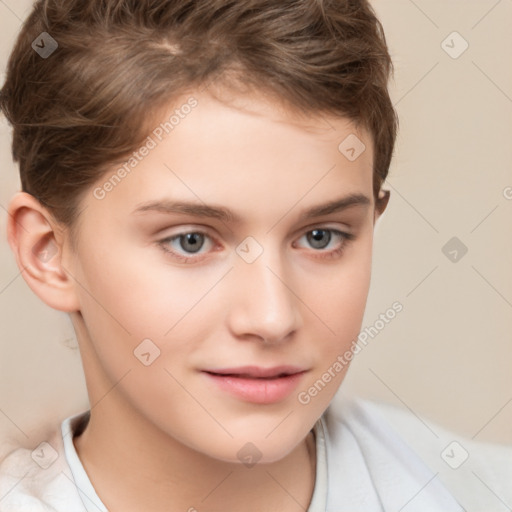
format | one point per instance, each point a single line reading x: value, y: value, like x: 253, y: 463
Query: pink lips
x: 256, y: 384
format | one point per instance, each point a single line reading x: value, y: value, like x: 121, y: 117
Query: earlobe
x: 381, y: 203
x: 31, y: 232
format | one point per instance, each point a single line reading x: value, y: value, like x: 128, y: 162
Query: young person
x: 200, y: 185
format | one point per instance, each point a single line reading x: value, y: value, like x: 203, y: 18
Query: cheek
x: 135, y: 289
x: 341, y: 298
x: 340, y: 306
x: 132, y: 306
x: 129, y: 295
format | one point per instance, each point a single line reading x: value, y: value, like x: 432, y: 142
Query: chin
x: 248, y: 453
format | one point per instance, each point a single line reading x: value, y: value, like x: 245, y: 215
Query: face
x: 211, y: 255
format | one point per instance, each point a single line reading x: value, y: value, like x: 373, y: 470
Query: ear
x: 381, y: 203
x: 38, y: 244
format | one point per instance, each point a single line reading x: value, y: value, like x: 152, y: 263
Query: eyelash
x: 347, y: 238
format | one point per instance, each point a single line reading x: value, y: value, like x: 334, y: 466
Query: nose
x: 264, y: 304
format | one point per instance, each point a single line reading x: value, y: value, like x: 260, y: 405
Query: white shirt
x: 364, y: 464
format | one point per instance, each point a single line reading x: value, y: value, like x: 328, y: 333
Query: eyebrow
x: 225, y: 215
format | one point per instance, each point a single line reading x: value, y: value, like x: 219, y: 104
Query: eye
x: 186, y: 243
x: 321, y: 238
x: 187, y: 246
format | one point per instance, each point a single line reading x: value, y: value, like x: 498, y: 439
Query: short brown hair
x: 118, y: 62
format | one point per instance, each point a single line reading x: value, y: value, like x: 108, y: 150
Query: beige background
x: 446, y: 358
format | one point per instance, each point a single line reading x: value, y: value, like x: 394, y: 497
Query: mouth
x: 256, y: 372
x: 255, y: 384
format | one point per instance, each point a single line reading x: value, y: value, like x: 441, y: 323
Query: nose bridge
x: 265, y: 304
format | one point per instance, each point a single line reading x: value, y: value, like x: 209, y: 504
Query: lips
x: 256, y: 384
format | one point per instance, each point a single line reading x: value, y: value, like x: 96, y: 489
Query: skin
x: 162, y: 436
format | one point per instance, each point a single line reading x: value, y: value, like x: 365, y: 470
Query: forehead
x: 248, y: 152
x: 268, y: 111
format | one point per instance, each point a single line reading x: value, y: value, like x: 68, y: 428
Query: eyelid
x: 328, y: 225
x: 183, y: 229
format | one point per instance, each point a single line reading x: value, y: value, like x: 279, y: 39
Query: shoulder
x: 38, y: 479
x: 477, y: 474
